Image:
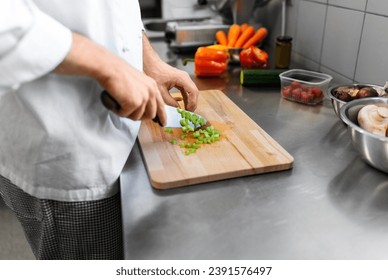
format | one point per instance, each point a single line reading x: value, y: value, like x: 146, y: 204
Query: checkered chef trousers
x: 67, y: 230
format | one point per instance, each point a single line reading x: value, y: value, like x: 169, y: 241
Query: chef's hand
x: 168, y: 77
x: 138, y: 95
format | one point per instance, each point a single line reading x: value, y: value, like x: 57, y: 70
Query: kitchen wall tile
x: 320, y: 1
x: 302, y: 62
x: 338, y: 79
x: 310, y: 26
x: 353, y: 4
x: 378, y: 7
x: 340, y: 47
x: 373, y: 57
x: 353, y: 41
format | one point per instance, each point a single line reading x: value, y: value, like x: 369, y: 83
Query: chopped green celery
x: 183, y: 122
x: 187, y: 115
x: 202, y: 136
x: 196, y: 146
x: 194, y: 118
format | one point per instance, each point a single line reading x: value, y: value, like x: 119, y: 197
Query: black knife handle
x: 111, y: 104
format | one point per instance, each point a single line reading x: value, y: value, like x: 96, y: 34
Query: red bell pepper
x: 254, y: 58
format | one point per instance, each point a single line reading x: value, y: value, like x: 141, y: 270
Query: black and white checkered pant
x: 67, y: 230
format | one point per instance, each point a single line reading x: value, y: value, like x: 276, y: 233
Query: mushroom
x: 374, y: 118
x: 367, y: 92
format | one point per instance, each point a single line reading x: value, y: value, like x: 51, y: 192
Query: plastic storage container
x: 304, y: 86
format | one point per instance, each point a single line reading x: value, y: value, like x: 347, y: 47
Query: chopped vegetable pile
x: 193, y: 135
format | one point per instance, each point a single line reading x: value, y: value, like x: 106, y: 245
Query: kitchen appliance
x: 235, y: 11
x: 244, y: 148
x: 189, y: 35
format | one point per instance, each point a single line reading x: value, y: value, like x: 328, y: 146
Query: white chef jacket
x: 57, y: 141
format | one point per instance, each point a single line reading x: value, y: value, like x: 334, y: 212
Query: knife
x: 173, y: 116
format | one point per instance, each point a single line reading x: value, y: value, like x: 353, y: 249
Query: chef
x: 61, y: 150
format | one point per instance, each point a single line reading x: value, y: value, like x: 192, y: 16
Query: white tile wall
x: 347, y: 39
x: 372, y: 66
x: 378, y: 7
x: 342, y: 39
x: 353, y: 4
x: 338, y: 79
x: 310, y: 27
x: 300, y: 61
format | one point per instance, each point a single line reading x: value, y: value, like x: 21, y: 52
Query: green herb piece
x: 196, y: 146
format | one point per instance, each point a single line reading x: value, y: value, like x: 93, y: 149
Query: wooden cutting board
x: 244, y: 148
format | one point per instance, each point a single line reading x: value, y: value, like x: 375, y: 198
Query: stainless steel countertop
x: 331, y: 205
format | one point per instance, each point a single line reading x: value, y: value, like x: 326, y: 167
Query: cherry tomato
x: 298, y: 92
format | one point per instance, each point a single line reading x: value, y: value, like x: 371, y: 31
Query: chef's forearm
x: 90, y: 59
x: 150, y: 57
x: 87, y: 58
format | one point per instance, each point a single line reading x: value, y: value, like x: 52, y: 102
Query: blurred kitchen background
x: 344, y: 38
x: 347, y: 39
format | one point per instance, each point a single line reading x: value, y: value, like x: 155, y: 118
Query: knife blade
x: 173, y: 116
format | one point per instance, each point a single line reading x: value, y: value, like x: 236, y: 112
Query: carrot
x: 259, y: 35
x: 244, y: 26
x: 233, y: 34
x: 244, y: 37
x: 221, y: 38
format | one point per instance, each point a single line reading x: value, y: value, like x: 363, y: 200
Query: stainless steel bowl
x: 337, y: 103
x: 372, y: 148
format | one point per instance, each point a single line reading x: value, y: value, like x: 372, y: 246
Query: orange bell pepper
x: 210, y: 61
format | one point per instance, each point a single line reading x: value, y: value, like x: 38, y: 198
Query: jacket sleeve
x: 32, y: 44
